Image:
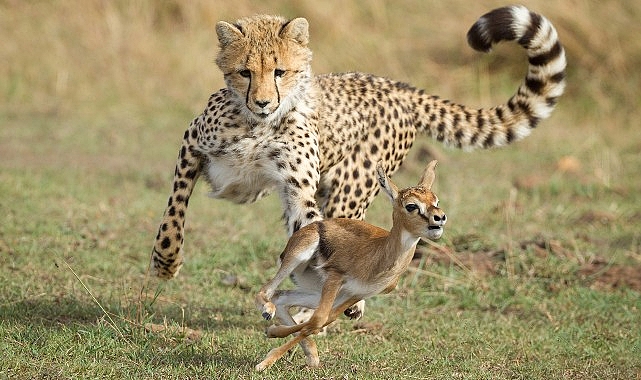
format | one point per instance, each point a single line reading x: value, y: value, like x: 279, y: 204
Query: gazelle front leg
x: 282, y: 300
x: 297, y: 252
x: 277, y: 303
x: 301, y: 338
x: 331, y: 287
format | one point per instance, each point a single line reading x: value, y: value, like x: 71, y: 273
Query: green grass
x: 537, y: 275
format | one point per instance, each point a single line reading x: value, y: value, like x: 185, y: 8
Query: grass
x: 537, y: 275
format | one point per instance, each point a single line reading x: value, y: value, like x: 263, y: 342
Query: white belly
x: 363, y: 290
x: 237, y: 181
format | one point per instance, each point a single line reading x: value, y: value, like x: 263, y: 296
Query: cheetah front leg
x: 299, y: 171
x: 299, y: 204
x: 167, y: 258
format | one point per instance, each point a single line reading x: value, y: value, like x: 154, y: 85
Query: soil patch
x: 605, y: 276
x: 597, y: 274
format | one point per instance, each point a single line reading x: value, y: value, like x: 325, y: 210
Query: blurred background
x: 115, y: 70
x: 126, y: 60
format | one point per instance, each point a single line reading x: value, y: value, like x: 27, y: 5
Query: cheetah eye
x: 279, y: 73
x: 245, y: 73
x: 411, y: 207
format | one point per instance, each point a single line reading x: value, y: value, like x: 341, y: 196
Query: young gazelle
x: 337, y: 262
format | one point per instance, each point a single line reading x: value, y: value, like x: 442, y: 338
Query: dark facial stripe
x: 249, y: 86
x: 277, y: 92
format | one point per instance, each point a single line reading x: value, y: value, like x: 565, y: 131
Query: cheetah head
x: 266, y: 64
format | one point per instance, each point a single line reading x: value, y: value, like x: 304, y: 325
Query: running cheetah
x: 314, y: 139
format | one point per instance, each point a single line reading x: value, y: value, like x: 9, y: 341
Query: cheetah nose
x: 262, y: 103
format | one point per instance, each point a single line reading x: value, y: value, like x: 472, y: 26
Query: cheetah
x: 315, y: 139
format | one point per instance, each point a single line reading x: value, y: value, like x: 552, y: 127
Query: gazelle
x: 337, y: 262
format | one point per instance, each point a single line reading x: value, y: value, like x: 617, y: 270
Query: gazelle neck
x: 399, y: 244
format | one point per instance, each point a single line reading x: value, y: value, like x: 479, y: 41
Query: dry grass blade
x: 111, y: 323
x: 188, y: 334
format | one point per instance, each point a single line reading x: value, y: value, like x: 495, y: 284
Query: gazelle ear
x: 296, y: 29
x: 427, y: 180
x: 228, y: 33
x: 386, y: 183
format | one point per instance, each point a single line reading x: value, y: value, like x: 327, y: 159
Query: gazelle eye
x: 279, y: 73
x: 245, y: 73
x: 411, y: 207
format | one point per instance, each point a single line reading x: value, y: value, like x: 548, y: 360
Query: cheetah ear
x: 386, y: 183
x: 427, y: 180
x: 297, y: 30
x: 228, y: 33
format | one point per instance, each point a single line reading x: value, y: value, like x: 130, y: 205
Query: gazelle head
x: 415, y: 208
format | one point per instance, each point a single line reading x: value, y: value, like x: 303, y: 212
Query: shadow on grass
x: 70, y: 311
x: 48, y: 311
x: 44, y: 327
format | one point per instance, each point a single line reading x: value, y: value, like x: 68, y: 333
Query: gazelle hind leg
x: 278, y: 352
x: 324, y: 307
x: 331, y: 287
x: 283, y: 300
x: 355, y: 311
x: 280, y: 300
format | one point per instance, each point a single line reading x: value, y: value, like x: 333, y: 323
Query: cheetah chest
x: 238, y: 180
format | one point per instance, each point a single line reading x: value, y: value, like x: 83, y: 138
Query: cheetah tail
x: 535, y: 98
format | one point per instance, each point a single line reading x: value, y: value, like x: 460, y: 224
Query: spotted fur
x: 314, y: 139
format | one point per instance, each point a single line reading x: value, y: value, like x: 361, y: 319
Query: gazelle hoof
x: 269, y: 309
x: 313, y: 362
x: 261, y: 366
x: 355, y: 311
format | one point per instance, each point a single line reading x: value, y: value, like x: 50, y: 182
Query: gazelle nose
x: 261, y: 103
x: 440, y: 218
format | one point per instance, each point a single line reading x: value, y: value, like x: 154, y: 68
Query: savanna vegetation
x: 537, y: 276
